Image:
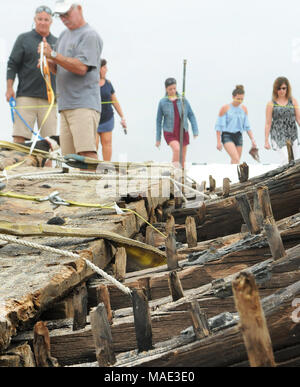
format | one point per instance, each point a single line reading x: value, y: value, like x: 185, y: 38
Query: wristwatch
x: 53, y: 54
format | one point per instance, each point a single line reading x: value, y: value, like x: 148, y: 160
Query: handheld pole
x: 182, y: 116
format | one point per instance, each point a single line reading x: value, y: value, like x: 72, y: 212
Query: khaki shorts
x: 34, y: 114
x: 78, y: 130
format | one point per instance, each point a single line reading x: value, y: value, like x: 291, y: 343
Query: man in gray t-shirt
x: 76, y: 63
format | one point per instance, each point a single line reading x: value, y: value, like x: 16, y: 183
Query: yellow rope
x: 54, y: 105
x: 78, y: 204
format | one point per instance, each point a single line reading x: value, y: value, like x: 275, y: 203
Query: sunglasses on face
x: 282, y: 88
x: 43, y: 9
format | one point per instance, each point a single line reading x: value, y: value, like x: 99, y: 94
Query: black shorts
x: 236, y: 138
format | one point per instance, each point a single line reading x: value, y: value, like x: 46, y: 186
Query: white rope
x: 10, y: 239
x: 64, y: 176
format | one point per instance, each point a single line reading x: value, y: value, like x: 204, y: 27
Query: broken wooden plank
x: 223, y: 216
x: 225, y: 348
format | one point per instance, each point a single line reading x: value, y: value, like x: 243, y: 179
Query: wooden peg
x: 80, y: 304
x: 170, y: 224
x: 274, y: 239
x: 41, y: 346
x: 199, y: 320
x: 175, y: 286
x: 102, y: 336
x: 120, y: 264
x: 102, y: 296
x: 248, y: 214
x: 191, y: 231
x: 289, y: 146
x: 212, y: 184
x: 142, y: 320
x: 171, y: 251
x: 252, y: 321
x: 226, y: 187
x: 243, y: 172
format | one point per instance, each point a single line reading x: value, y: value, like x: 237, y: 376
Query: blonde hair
x: 239, y: 89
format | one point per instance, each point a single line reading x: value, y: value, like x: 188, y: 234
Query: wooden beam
x: 80, y: 304
x: 252, y: 321
x: 175, y: 286
x: 142, y: 320
x: 102, y: 336
x: 41, y: 346
x: 191, y: 231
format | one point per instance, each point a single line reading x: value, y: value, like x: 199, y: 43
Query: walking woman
x: 282, y: 113
x: 107, y: 121
x: 231, y: 123
x: 168, y: 119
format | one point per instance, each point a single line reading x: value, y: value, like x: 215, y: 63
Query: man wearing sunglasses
x: 32, y: 100
x: 76, y: 63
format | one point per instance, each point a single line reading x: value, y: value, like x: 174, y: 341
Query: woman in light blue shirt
x: 231, y: 123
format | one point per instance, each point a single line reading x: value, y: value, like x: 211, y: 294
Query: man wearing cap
x: 32, y: 101
x: 76, y: 63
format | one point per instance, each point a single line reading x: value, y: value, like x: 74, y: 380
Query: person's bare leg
x: 92, y: 155
x: 106, y: 142
x: 239, y: 150
x: 231, y: 149
x: 19, y: 139
x: 184, y: 151
x: 175, y: 146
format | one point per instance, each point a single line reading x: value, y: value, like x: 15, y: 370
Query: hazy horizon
x: 225, y: 43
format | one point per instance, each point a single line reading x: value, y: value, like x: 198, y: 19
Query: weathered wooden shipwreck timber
x: 161, y: 303
x: 222, y: 217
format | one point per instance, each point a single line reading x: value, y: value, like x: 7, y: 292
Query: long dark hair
x: 277, y: 85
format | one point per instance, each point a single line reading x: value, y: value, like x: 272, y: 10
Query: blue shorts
x: 236, y: 138
x: 106, y: 126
